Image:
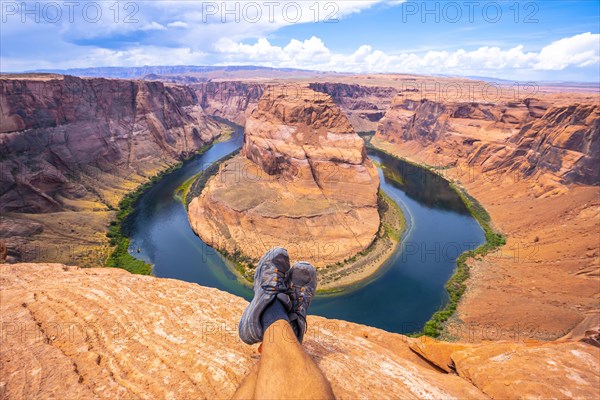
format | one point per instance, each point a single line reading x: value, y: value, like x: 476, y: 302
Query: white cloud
x: 579, y: 50
x: 197, y: 26
x: 177, y: 24
x: 177, y: 32
x: 311, y: 51
x: 153, y: 26
x: 569, y: 54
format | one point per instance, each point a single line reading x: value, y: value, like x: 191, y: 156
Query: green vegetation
x: 243, y: 265
x: 120, y: 257
x: 118, y: 231
x: 393, y: 229
x: 192, y: 188
x: 392, y: 175
x: 184, y: 189
x: 387, y: 229
x: 226, y: 134
x: 456, y: 285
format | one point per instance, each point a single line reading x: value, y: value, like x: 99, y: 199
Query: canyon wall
x: 62, y: 138
x: 531, y: 137
x: 534, y: 166
x: 229, y: 100
x: 105, y: 333
x: 565, y: 141
x: 303, y: 181
x: 363, y: 105
x: 78, y: 145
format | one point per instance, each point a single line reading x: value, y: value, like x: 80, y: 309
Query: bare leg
x: 286, y: 371
x: 246, y: 389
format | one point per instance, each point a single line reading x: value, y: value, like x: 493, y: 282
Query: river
x: 400, y: 298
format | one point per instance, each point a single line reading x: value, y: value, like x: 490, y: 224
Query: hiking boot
x: 270, y: 282
x: 303, y: 285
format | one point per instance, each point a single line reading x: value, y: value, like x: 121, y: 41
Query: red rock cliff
x: 531, y: 137
x: 73, y: 147
x: 66, y: 138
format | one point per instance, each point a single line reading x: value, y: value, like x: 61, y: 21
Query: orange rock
x: 303, y: 182
x: 104, y: 333
x: 69, y: 332
x: 552, y: 370
x: 436, y: 352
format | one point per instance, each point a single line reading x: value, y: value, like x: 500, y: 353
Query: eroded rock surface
x: 363, y: 105
x: 529, y: 164
x: 532, y: 137
x: 74, y: 139
x: 229, y: 99
x: 104, y: 333
x: 72, y: 146
x: 303, y: 181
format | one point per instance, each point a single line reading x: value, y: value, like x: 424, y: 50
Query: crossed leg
x: 285, y: 371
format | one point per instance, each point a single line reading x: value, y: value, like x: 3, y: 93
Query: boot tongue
x: 285, y: 300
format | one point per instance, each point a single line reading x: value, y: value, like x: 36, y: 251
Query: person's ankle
x: 273, y: 313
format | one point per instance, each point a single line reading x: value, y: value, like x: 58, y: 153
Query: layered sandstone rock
x: 303, y: 181
x: 72, y: 145
x: 67, y: 138
x: 363, y: 105
x: 564, y: 141
x: 104, y: 333
x: 529, y: 164
x: 507, y: 370
x: 531, y: 137
x: 229, y: 99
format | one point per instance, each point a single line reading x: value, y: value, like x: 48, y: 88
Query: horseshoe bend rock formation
x: 303, y: 181
x: 91, y: 333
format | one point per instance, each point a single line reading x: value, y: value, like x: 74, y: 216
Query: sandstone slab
x: 104, y: 333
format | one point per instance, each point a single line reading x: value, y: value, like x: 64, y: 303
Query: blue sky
x: 526, y: 40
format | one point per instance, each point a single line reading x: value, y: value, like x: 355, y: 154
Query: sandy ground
x: 366, y: 267
x: 70, y: 237
x: 546, y: 279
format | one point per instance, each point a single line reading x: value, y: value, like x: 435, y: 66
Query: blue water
x: 400, y: 298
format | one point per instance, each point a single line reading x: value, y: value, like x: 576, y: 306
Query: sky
x: 516, y: 40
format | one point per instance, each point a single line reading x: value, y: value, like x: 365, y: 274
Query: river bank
x: 367, y: 265
x: 547, y: 266
x: 456, y: 285
x: 353, y: 272
x: 119, y: 255
x: 118, y: 233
